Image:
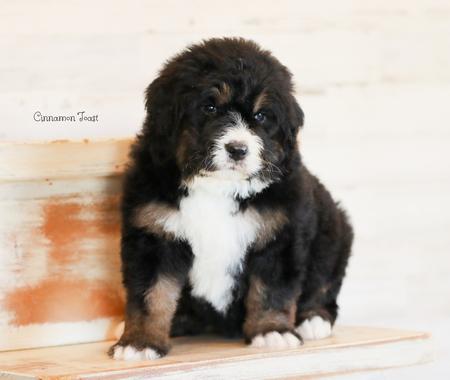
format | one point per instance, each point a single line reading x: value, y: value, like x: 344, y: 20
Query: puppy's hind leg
x: 317, y: 307
x: 269, y: 324
x: 316, y: 322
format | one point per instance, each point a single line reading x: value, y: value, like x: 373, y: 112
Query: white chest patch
x: 219, y: 236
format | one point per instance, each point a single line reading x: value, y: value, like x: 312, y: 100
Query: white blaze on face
x: 238, y: 131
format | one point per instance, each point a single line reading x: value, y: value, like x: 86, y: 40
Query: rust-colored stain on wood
x: 63, y: 300
x: 64, y: 224
x: 75, y: 228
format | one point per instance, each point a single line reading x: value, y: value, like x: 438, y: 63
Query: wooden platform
x: 350, y: 349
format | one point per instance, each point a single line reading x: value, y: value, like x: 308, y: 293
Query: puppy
x: 224, y: 230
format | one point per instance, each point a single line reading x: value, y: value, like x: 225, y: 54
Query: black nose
x: 236, y: 150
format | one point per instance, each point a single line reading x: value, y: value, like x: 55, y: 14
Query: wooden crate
x: 59, y: 242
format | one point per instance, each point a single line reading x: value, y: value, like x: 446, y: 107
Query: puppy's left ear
x: 296, y: 118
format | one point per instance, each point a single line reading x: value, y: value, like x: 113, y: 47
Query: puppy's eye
x: 209, y: 108
x: 259, y: 117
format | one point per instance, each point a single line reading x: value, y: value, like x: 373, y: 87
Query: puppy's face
x: 227, y: 135
x: 233, y: 112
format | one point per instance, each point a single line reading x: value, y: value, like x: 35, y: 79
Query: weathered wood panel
x: 59, y: 242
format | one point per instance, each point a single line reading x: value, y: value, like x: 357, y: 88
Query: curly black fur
x: 305, y: 260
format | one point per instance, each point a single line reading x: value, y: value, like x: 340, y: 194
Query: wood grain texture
x: 59, y: 65
x: 349, y: 349
x: 62, y: 159
x: 60, y: 277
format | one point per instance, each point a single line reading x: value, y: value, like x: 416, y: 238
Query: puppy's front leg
x: 270, y: 316
x: 148, y: 323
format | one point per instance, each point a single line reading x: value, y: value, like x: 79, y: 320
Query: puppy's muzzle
x: 236, y: 150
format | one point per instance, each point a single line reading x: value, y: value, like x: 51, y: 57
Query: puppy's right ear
x: 164, y: 114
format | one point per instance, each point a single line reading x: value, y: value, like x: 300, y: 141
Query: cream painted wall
x: 372, y: 77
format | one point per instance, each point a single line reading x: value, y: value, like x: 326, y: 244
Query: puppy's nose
x: 236, y: 150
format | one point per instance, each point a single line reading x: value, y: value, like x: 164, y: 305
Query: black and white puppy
x: 224, y: 229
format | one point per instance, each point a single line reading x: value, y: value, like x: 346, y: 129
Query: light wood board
x: 60, y: 279
x: 62, y: 159
x: 350, y: 349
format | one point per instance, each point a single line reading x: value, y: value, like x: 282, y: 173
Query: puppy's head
x: 224, y: 109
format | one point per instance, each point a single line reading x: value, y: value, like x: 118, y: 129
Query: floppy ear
x: 297, y: 116
x: 295, y: 119
x: 164, y: 114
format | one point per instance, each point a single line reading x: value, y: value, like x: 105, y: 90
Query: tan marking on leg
x: 152, y: 217
x: 161, y: 300
x: 259, y: 318
x: 152, y: 328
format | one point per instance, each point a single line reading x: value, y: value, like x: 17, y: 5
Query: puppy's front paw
x: 274, y: 339
x: 130, y: 353
x: 314, y: 328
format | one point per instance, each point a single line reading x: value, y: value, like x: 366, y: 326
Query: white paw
x: 130, y: 353
x: 274, y: 339
x: 314, y: 328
